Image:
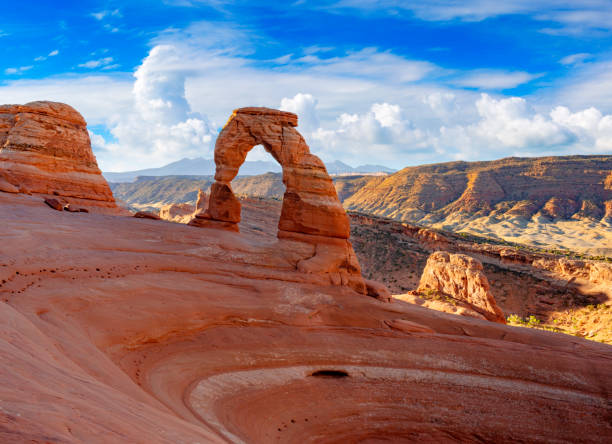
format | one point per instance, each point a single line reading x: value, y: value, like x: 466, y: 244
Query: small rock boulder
x: 146, y: 215
x: 55, y: 204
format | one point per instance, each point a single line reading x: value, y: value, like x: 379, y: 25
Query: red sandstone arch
x: 310, y: 204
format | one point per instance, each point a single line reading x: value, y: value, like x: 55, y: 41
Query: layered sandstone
x: 460, y: 278
x: 311, y: 212
x: 45, y: 149
x: 454, y: 193
x: 117, y: 329
x: 181, y: 213
x: 565, y: 294
x: 528, y: 201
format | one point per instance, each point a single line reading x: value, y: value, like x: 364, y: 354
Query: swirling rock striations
x: 117, y: 329
x: 311, y: 212
x: 45, y: 149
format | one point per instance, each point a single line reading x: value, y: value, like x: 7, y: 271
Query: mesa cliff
x: 553, y: 202
x: 556, y: 187
x: 123, y: 329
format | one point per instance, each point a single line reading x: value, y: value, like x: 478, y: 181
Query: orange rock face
x: 461, y: 277
x: 311, y: 212
x: 310, y: 204
x: 118, y: 329
x: 45, y: 149
x: 181, y: 212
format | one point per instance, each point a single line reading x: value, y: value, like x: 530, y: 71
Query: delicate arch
x: 310, y: 204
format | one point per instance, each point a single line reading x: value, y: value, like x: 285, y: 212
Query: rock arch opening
x: 310, y: 213
x: 310, y: 204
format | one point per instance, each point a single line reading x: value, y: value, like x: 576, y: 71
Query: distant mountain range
x: 206, y: 167
x: 542, y: 201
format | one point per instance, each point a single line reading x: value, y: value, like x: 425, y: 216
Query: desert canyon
x: 279, y: 326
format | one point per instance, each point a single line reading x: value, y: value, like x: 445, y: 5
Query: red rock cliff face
x: 556, y: 187
x: 45, y: 148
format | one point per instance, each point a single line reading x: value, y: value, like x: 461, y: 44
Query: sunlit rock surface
x: 45, y: 149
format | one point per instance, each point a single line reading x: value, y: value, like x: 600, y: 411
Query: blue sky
x: 390, y: 82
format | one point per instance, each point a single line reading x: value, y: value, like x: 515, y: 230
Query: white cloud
x: 369, y: 63
x: 304, y: 105
x: 51, y: 54
x: 19, y: 70
x: 590, y: 84
x: 379, y: 135
x: 571, y: 16
x: 91, y: 64
x: 160, y: 127
x: 575, y: 58
x: 494, y: 80
x: 511, y: 126
x: 106, y: 13
x: 510, y: 123
x: 101, y: 99
x: 366, y: 106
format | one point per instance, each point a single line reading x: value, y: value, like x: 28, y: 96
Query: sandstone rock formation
x: 7, y: 187
x: 146, y: 215
x: 201, y: 202
x: 114, y: 329
x: 310, y: 204
x: 460, y: 278
x: 311, y: 212
x: 45, y: 149
x: 180, y: 213
x: 54, y: 203
x: 568, y: 295
x: 556, y: 187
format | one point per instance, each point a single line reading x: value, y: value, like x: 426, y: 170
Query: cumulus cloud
x: 511, y: 126
x: 501, y: 127
x: 367, y: 106
x: 161, y: 126
x: 304, y: 105
x: 383, y: 132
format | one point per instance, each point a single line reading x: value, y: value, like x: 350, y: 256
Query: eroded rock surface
x: 458, y: 279
x: 117, y: 329
x: 45, y: 149
x: 311, y: 212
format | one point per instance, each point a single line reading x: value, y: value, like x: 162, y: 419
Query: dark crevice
x: 330, y: 374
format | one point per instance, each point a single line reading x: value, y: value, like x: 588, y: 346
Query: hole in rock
x: 327, y: 373
x: 259, y: 186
